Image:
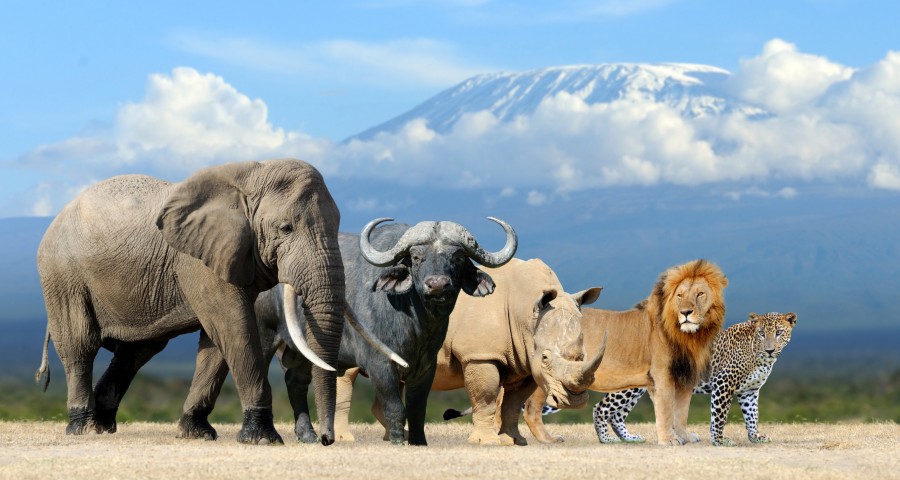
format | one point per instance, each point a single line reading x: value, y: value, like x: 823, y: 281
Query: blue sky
x: 308, y: 74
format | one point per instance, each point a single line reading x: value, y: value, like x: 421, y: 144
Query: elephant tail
x: 44, y: 369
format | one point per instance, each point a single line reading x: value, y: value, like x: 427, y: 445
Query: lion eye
x: 700, y: 294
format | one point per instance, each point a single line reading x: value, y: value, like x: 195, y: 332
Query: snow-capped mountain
x: 693, y: 90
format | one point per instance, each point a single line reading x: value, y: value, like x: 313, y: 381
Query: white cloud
x: 782, y: 80
x: 844, y: 127
x: 536, y: 198
x: 414, y: 62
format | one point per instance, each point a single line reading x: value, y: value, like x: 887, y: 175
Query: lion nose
x: 686, y: 312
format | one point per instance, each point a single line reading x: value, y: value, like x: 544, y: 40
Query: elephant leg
x: 209, y: 375
x: 127, y: 359
x: 483, y: 386
x: 682, y: 406
x: 416, y: 400
x: 297, y: 380
x: 342, y: 405
x: 226, y: 314
x: 77, y: 342
x: 511, y: 408
x: 534, y: 406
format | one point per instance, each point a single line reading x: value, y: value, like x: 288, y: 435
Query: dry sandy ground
x: 149, y: 450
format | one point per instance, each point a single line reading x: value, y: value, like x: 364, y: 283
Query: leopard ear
x: 754, y: 318
x: 791, y: 318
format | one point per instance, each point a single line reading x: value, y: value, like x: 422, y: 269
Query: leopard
x: 742, y: 359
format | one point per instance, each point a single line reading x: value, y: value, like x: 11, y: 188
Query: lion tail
x: 451, y: 413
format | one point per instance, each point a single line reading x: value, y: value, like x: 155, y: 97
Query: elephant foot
x: 81, y: 421
x: 488, y: 437
x: 759, y: 438
x: 105, y: 420
x: 258, y: 428
x: 195, y: 425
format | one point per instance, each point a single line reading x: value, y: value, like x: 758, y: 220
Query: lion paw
x: 688, y: 437
x: 345, y: 437
x: 671, y: 442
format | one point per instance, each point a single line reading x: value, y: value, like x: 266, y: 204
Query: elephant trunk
x: 294, y: 328
x: 322, y: 288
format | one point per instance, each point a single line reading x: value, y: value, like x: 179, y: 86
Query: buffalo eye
x: 285, y: 229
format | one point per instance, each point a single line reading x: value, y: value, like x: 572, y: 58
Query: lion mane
x: 690, y: 351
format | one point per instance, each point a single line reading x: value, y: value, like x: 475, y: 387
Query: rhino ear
x: 542, y: 301
x: 394, y: 280
x: 587, y: 297
x: 477, y: 283
x: 204, y: 217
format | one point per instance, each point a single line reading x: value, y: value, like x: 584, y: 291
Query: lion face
x: 691, y: 302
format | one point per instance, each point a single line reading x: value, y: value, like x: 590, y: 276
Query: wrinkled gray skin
x: 406, y: 305
x: 134, y: 261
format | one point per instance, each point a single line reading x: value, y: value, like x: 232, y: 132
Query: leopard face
x: 773, y: 332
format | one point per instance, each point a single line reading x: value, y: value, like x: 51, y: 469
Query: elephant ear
x: 204, y: 218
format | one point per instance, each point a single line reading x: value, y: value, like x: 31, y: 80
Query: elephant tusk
x: 293, y: 326
x: 371, y: 338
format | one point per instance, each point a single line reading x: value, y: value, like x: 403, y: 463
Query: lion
x: 663, y: 344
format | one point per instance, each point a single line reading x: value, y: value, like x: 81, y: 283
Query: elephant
x: 134, y: 261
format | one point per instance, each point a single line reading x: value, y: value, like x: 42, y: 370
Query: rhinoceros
x: 527, y: 334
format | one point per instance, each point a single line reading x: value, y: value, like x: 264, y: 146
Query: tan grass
x: 149, y: 450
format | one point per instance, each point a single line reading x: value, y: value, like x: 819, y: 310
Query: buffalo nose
x: 686, y: 312
x: 435, y: 284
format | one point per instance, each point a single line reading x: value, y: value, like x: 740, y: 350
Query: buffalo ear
x: 587, y: 297
x: 394, y: 280
x: 477, y: 283
x: 204, y: 218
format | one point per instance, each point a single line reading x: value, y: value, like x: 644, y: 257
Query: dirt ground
x: 149, y: 450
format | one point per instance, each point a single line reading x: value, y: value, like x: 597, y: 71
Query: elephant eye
x: 286, y: 228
